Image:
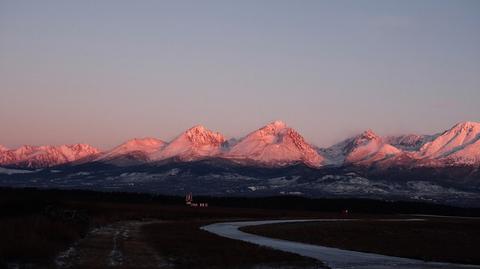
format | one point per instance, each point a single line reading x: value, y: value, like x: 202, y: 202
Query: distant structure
x: 189, y: 201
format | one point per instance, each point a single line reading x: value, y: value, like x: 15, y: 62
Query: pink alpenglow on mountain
x: 196, y: 143
x: 410, y: 142
x: 452, y: 140
x: 133, y: 152
x: 364, y: 149
x: 460, y: 144
x: 470, y: 154
x: 275, y: 144
x: 369, y: 147
x: 147, y: 146
x: 46, y: 156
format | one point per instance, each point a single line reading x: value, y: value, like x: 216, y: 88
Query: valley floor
x: 438, y: 239
x: 78, y: 229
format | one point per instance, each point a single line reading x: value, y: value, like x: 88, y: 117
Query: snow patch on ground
x: 9, y: 171
x: 116, y: 256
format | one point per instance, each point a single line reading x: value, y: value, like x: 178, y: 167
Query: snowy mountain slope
x: 452, y: 140
x: 8, y: 171
x: 276, y: 145
x: 456, y: 146
x: 364, y: 149
x: 196, y: 143
x: 132, y: 152
x: 144, y: 145
x: 46, y: 156
x: 459, y: 145
x: 410, y: 142
x: 469, y: 154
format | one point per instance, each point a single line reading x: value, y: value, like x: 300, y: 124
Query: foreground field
x: 435, y: 239
x: 170, y: 244
x: 78, y: 229
x: 189, y: 247
x: 50, y: 229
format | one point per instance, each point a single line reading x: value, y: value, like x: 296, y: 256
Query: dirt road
x: 120, y: 245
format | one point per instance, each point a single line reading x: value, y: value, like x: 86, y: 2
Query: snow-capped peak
x: 275, y: 144
x: 453, y: 141
x: 271, y: 129
x: 364, y: 148
x: 197, y: 128
x: 46, y: 156
x: 364, y: 138
x: 195, y: 143
x: 278, y: 124
x: 143, y: 146
x: 80, y: 149
x: 199, y: 135
x: 368, y: 135
x: 147, y: 141
x: 468, y: 126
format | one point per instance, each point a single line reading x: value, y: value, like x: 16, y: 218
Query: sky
x: 102, y: 72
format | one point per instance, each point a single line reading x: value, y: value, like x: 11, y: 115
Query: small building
x: 189, y: 201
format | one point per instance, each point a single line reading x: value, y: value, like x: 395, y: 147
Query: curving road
x: 332, y: 257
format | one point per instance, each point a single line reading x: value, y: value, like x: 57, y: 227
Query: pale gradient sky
x: 101, y: 72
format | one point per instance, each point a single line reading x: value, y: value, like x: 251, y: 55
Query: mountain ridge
x: 274, y: 145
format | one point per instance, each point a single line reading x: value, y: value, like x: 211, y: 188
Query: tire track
x: 119, y: 245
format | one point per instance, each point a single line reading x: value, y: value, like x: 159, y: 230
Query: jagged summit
x: 200, y: 135
x: 195, y: 143
x: 197, y: 128
x: 80, y: 148
x: 454, y: 141
x: 271, y: 128
x: 362, y: 139
x: 467, y: 126
x: 46, y: 156
x: 365, y: 149
x: 368, y: 135
x: 275, y: 144
x: 278, y: 124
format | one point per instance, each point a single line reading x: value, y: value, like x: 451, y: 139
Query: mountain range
x: 273, y: 145
x: 273, y: 160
